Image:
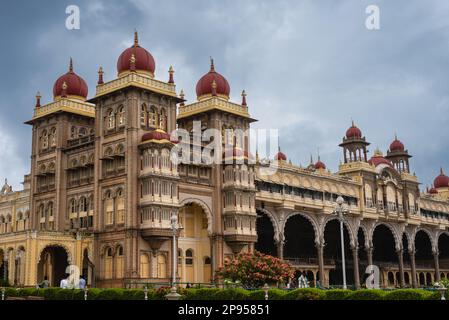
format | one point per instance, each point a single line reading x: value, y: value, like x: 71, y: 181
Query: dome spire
x: 100, y: 75
x: 170, y: 73
x: 243, y: 98
x: 136, y: 38
x: 71, y: 65
x: 181, y: 95
x: 38, y: 99
x: 212, y: 66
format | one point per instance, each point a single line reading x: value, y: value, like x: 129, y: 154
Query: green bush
x: 110, y: 294
x: 200, y: 294
x: 27, y: 292
x: 366, y: 294
x: 50, y: 293
x: 92, y: 294
x: 305, y: 294
x: 231, y: 294
x: 11, y: 292
x: 337, y: 294
x: 434, y: 295
x: 138, y: 294
x: 406, y: 294
x: 273, y: 294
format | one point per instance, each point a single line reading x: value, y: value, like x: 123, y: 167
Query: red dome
x: 442, y: 181
x: 237, y: 153
x: 433, y: 191
x: 320, y: 165
x: 397, y: 145
x: 75, y: 85
x: 378, y: 159
x: 353, y: 132
x: 144, y: 61
x: 280, y: 156
x: 158, y: 135
x: 204, y: 85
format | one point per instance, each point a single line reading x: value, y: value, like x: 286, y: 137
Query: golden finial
x: 170, y: 70
x: 136, y: 38
x: 100, y: 70
x: 71, y: 65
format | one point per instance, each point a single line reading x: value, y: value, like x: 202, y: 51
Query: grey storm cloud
x: 309, y: 67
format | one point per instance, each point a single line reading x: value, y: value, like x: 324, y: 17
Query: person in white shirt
x: 64, y: 283
x: 82, y: 283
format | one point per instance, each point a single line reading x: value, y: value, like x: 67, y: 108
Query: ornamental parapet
x: 213, y: 103
x: 136, y: 80
x: 67, y: 105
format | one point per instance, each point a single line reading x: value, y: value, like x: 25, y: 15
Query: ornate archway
x: 266, y: 234
x: 300, y: 237
x: 52, y: 265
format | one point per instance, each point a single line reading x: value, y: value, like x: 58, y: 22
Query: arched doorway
x: 265, y: 234
x: 363, y: 256
x: 443, y: 249
x: 384, y: 249
x: 299, y: 239
x: 332, y: 251
x: 423, y: 253
x: 52, y: 265
x: 88, y: 269
x: 3, y: 275
x: 194, y: 242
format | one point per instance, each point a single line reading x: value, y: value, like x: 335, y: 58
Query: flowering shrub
x: 253, y: 270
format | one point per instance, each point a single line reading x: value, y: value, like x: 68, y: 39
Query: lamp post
x: 173, y: 295
x: 340, y: 211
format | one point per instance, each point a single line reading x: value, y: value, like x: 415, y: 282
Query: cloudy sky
x: 309, y: 67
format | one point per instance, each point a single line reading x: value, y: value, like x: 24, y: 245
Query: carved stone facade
x: 103, y: 188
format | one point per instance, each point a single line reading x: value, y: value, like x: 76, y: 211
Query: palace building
x: 102, y: 191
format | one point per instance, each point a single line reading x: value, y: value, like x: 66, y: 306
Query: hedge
x: 337, y: 294
x: 273, y: 294
x: 366, y: 294
x: 305, y: 294
x: 226, y: 294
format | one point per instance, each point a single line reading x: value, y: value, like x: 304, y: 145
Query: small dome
x: 280, y: 156
x: 378, y: 159
x: 157, y: 135
x: 320, y: 165
x: 70, y: 84
x: 397, y: 145
x: 442, y: 181
x: 433, y: 190
x: 205, y: 85
x: 353, y: 132
x: 237, y: 153
x: 143, y: 60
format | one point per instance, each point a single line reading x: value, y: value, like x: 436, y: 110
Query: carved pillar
x: 413, y: 265
x: 437, y: 266
x: 401, y: 267
x: 320, y: 255
x: 369, y: 253
x: 280, y: 246
x: 355, y: 258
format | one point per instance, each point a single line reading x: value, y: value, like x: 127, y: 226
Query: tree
x: 253, y: 270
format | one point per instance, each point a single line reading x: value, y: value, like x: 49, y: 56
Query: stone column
x: 280, y: 246
x: 320, y: 255
x: 413, y: 265
x: 369, y: 253
x: 437, y: 266
x: 401, y: 267
x: 355, y: 258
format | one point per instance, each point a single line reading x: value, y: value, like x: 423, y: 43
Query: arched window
x: 144, y: 266
x: 83, y: 204
x: 189, y: 257
x: 152, y: 117
x: 161, y: 266
x: 143, y: 115
x: 49, y: 209
x: 53, y: 137
x: 121, y: 116
x: 109, y: 208
x: 119, y: 266
x: 111, y: 119
x: 120, y: 206
x: 72, y: 207
x: 108, y: 263
x: 44, y: 139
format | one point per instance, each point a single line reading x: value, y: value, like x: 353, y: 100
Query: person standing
x: 82, y: 283
x: 64, y: 283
